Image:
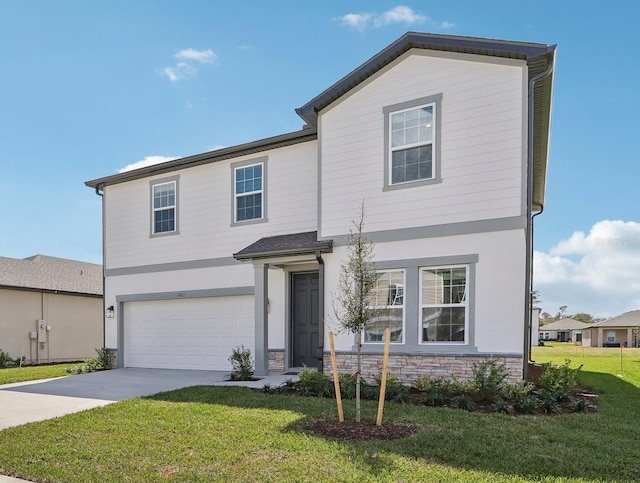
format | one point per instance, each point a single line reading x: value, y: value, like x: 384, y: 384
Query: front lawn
x: 236, y: 434
x: 32, y: 373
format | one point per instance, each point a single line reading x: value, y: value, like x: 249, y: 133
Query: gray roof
x: 628, y: 319
x: 285, y: 245
x: 539, y: 57
x: 40, y: 272
x: 564, y: 324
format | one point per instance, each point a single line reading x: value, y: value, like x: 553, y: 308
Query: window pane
x: 411, y: 135
x: 443, y: 324
x: 164, y: 220
x: 389, y: 290
x: 411, y: 164
x: 374, y: 331
x: 249, y: 207
x: 397, y: 138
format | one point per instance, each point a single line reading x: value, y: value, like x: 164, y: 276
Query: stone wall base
x: 276, y: 360
x: 407, y: 367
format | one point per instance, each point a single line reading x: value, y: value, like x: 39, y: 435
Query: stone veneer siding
x: 276, y: 360
x: 407, y: 367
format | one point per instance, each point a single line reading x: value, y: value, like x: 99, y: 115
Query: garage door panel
x: 187, y: 333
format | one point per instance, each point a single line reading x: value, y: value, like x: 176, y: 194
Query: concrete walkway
x: 26, y: 402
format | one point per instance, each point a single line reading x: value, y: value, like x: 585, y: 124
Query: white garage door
x: 197, y: 333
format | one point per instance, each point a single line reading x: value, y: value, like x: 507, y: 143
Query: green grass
x: 235, y: 434
x: 32, y: 373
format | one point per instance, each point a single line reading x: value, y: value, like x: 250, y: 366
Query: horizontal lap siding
x: 482, y: 146
x: 204, y: 210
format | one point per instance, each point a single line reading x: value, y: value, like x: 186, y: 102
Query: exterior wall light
x: 110, y: 312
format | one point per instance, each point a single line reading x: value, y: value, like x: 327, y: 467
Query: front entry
x: 305, y: 326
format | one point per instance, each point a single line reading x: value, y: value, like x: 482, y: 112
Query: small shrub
x: 104, y: 359
x: 559, y: 379
x: 347, y: 386
x: 394, y: 391
x: 517, y: 390
x: 5, y: 359
x: 489, y: 378
x: 267, y: 388
x: 425, y: 384
x: 241, y: 364
x: 502, y: 407
x: 580, y: 406
x: 540, y: 343
x: 467, y: 388
x: 526, y: 405
x: 548, y: 401
x: 434, y: 397
x: 313, y: 383
x: 462, y: 401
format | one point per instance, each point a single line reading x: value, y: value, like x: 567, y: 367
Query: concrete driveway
x: 26, y: 402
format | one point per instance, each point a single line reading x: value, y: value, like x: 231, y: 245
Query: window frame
x: 465, y: 304
x: 388, y: 111
x: 381, y: 307
x: 153, y: 184
x: 235, y: 196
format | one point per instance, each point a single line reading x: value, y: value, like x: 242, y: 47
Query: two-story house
x: 445, y: 138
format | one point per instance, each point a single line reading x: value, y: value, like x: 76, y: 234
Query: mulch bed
x: 350, y: 430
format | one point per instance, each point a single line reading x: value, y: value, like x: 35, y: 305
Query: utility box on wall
x: 42, y: 332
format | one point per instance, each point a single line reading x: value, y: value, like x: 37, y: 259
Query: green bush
x: 502, y: 407
x: 425, y: 384
x: 104, y: 359
x: 561, y: 379
x: 548, y: 401
x: 517, y: 390
x: 526, y: 405
x: 5, y: 359
x: 462, y: 401
x: 314, y: 383
x: 394, y: 391
x: 241, y: 364
x: 434, y: 397
x: 347, y: 386
x: 489, y: 378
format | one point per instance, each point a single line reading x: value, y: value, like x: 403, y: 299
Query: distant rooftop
x: 52, y: 274
x: 564, y: 324
x: 628, y: 319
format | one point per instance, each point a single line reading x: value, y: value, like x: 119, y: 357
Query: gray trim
x: 380, y: 350
x: 435, y: 231
x: 412, y: 306
x: 435, y: 99
x: 319, y: 181
x: 171, y: 266
x: 261, y: 320
x: 307, y: 134
x: 154, y: 182
x: 187, y: 294
x: 147, y: 297
x: 321, y: 277
x: 243, y: 164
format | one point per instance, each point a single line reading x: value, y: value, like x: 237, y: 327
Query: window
x: 611, y: 336
x: 388, y: 301
x: 412, y: 138
x: 444, y: 305
x: 249, y: 192
x: 163, y: 202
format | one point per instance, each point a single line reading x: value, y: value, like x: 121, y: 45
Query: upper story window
x: 164, y: 203
x: 249, y: 191
x: 412, y: 142
x: 444, y: 304
x: 388, y: 300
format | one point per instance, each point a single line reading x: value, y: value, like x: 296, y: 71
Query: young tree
x: 357, y: 281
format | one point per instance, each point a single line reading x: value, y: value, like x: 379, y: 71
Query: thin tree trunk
x: 359, y: 369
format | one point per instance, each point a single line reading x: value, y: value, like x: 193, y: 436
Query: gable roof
x: 40, y: 272
x: 564, y: 324
x: 628, y: 319
x: 539, y: 58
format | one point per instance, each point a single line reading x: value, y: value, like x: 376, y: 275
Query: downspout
x: 104, y: 305
x: 528, y: 354
x: 529, y: 237
x: 321, y: 310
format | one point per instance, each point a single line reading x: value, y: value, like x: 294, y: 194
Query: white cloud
x: 147, y: 161
x: 244, y: 47
x: 400, y: 14
x: 184, y: 68
x: 596, y: 272
x: 203, y: 56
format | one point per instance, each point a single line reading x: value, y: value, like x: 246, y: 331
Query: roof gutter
x: 529, y: 233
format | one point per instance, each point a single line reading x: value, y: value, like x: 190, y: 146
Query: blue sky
x: 88, y: 88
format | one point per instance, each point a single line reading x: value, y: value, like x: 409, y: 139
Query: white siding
x: 204, y: 210
x: 499, y: 284
x: 482, y: 140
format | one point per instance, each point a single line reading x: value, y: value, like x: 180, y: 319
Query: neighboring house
x: 563, y: 330
x: 623, y: 329
x: 50, y: 308
x: 445, y: 138
x: 535, y: 327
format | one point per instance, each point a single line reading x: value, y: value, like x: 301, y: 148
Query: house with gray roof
x: 620, y: 330
x: 50, y: 308
x: 445, y: 139
x: 563, y: 330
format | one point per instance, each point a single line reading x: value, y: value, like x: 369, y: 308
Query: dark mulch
x: 352, y: 431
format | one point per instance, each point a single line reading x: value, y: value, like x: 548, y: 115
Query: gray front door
x: 305, y: 327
